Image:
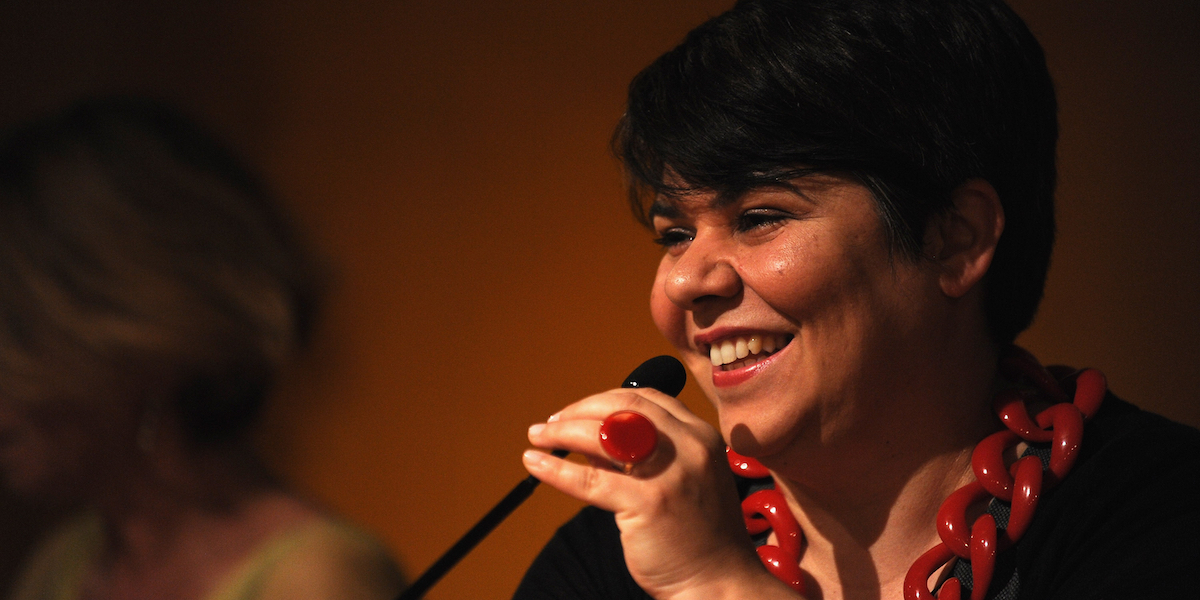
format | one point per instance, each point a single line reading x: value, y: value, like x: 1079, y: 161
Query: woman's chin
x: 751, y: 441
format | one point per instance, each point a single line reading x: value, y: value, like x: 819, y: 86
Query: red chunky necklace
x: 1074, y: 397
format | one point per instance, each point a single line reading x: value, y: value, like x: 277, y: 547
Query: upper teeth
x: 734, y: 349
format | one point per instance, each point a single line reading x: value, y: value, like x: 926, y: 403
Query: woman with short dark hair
x: 855, y: 201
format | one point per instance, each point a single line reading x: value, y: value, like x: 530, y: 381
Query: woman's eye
x: 759, y: 218
x: 674, y: 237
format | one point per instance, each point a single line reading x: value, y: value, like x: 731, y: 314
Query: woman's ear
x: 964, y: 240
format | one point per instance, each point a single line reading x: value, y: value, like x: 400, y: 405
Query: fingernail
x: 536, y: 429
x: 553, y: 418
x: 533, y: 458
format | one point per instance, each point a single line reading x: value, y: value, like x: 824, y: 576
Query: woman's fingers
x: 582, y: 436
x: 607, y: 481
x: 575, y: 435
x: 678, y: 510
x: 641, y: 400
x: 599, y: 487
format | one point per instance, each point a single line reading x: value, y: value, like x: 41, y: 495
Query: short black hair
x: 910, y: 97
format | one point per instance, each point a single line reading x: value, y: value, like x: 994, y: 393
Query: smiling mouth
x: 743, y: 351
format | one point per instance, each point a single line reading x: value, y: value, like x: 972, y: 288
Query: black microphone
x: 663, y: 373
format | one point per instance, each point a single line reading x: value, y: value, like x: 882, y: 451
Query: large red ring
x: 628, y: 437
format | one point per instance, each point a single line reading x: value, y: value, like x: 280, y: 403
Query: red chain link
x: 744, y: 466
x: 1074, y: 396
x: 768, y: 509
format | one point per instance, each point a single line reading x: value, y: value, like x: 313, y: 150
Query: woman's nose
x: 703, y: 274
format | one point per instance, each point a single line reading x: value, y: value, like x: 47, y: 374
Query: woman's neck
x: 861, y: 542
x: 868, y: 502
x: 179, y: 518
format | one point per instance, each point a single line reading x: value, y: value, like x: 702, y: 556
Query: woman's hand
x: 678, y: 511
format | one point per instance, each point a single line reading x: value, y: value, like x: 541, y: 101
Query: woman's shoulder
x: 1133, y: 462
x: 1124, y: 516
x: 1122, y: 432
x: 322, y: 558
x: 54, y: 568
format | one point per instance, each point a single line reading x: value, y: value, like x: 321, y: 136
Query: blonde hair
x: 131, y: 244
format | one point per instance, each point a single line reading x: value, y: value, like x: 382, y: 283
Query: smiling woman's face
x: 788, y: 308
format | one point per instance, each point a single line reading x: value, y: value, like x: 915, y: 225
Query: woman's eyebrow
x: 790, y: 186
x: 662, y: 208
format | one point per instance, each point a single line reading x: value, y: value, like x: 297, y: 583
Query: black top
x: 1125, y: 523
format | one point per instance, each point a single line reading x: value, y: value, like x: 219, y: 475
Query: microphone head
x: 663, y: 373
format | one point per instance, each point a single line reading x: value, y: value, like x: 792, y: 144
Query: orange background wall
x: 450, y: 157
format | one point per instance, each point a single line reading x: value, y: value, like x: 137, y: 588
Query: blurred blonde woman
x: 151, y: 294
